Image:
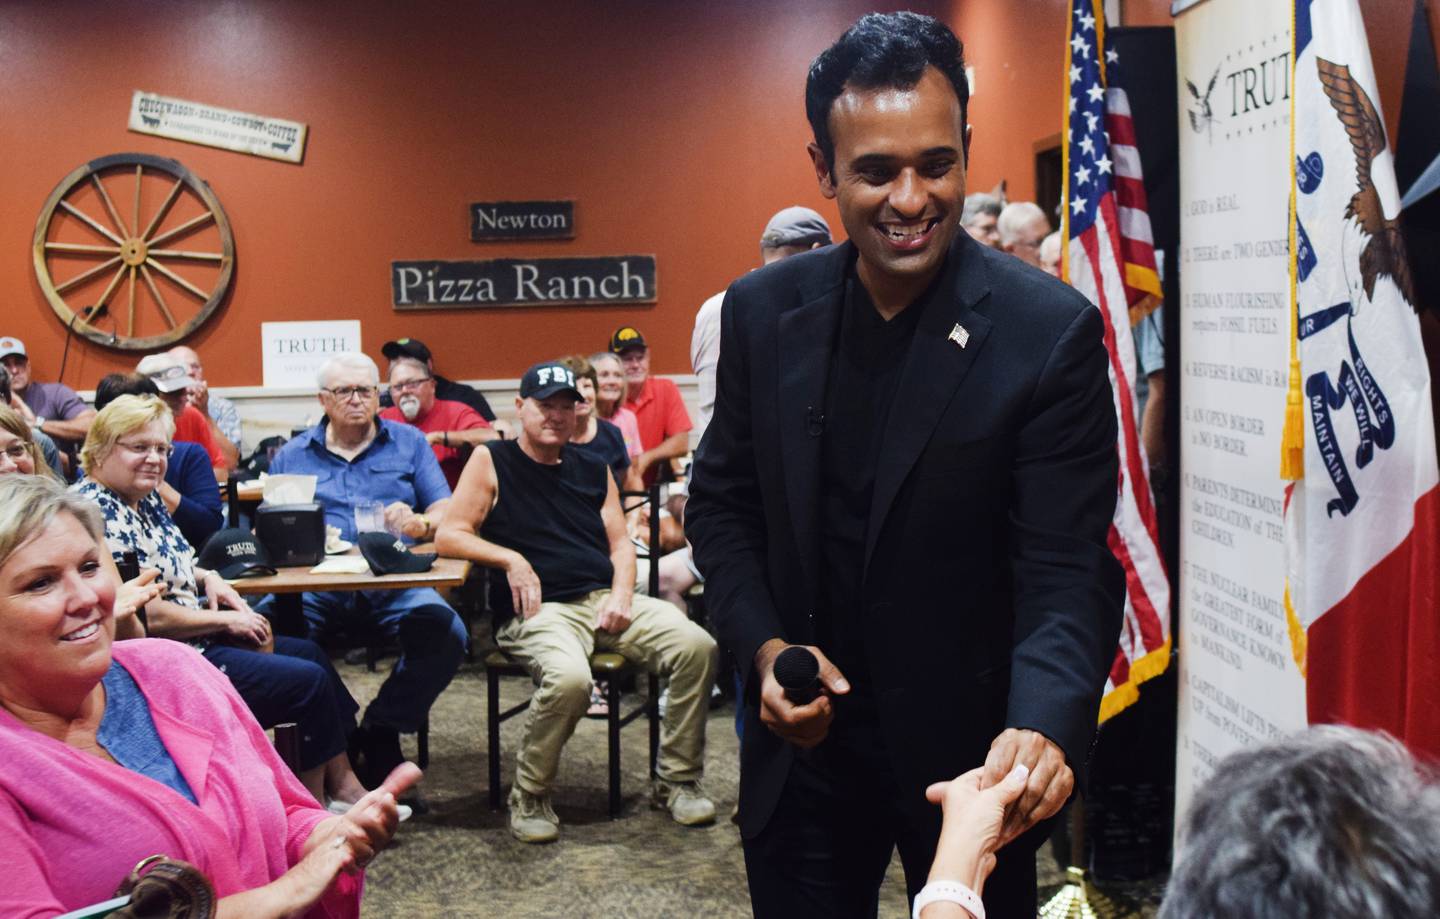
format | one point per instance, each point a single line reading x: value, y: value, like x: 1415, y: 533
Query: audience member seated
x: 1334, y: 821
x: 452, y: 429
x: 358, y: 457
x: 594, y: 436
x: 1023, y: 227
x: 124, y: 460
x: 445, y: 389
x: 115, y: 752
x: 174, y: 384
x: 677, y: 568
x: 610, y: 400
x: 20, y: 455
x: 52, y: 408
x: 978, y: 217
x: 222, y: 414
x: 19, y: 450
x: 549, y: 517
x: 1050, y: 254
x: 658, y: 406
x: 44, y: 442
x: 190, y: 492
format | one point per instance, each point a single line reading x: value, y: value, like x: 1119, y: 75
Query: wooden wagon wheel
x: 134, y: 260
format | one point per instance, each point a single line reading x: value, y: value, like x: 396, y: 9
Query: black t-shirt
x: 551, y: 516
x: 608, y: 446
x: 864, y: 373
x: 451, y: 391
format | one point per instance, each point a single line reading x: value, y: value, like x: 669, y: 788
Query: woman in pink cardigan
x: 114, y: 754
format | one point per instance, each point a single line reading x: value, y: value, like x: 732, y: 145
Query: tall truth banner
x: 1361, y: 516
x: 1239, y: 684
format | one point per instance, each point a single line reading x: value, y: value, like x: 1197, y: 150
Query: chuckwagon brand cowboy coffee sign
x: 522, y: 282
x: 199, y: 123
x: 491, y: 220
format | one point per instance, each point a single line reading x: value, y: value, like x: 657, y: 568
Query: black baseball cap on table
x: 235, y: 553
x: 388, y: 555
x: 546, y: 379
x: 406, y: 347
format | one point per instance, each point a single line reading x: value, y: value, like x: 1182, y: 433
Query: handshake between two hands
x: 1024, y: 798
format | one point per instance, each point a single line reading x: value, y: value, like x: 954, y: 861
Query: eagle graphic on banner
x: 1384, y: 254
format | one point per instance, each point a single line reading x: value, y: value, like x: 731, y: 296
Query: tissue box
x: 293, y: 534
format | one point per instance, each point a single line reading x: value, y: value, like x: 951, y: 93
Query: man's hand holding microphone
x: 796, y: 683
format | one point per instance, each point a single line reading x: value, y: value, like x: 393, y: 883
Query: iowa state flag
x: 1361, y: 519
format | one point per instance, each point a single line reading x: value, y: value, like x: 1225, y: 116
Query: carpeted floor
x: 460, y: 860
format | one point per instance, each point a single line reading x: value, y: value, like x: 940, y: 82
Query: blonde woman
x: 610, y: 399
x: 124, y: 459
x: 115, y: 751
x: 18, y: 450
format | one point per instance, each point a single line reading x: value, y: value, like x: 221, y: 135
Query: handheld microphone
x: 798, y: 673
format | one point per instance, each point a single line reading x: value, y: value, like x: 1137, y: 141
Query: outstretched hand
x: 1048, y: 787
x: 974, y: 815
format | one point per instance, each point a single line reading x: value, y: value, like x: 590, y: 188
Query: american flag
x: 1109, y: 256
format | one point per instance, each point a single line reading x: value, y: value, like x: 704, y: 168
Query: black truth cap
x: 235, y: 553
x: 388, y: 555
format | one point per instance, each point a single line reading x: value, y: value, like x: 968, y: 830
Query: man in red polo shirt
x: 658, y: 406
x: 452, y: 428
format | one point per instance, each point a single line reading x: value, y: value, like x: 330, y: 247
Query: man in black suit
x: 911, y: 470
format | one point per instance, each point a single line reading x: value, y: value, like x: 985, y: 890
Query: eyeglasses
x: 410, y: 384
x: 17, y: 451
x: 158, y: 449
x: 346, y: 393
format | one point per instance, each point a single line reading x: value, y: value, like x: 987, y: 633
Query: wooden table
x: 446, y: 572
x: 287, y: 584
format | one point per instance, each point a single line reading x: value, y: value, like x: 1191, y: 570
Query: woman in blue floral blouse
x: 280, y: 678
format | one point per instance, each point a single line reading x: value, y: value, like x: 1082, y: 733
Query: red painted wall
x: 677, y: 127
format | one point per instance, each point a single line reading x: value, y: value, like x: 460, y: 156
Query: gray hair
x: 1050, y: 247
x: 1016, y: 216
x: 1334, y: 821
x: 28, y: 504
x: 347, y: 360
x: 977, y: 204
x: 599, y: 356
x: 406, y: 360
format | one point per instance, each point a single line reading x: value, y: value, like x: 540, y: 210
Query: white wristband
x: 949, y: 892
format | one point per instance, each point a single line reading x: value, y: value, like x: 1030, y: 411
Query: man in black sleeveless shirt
x: 549, y: 517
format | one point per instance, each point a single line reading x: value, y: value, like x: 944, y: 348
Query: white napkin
x: 342, y: 564
x: 287, y: 489
x: 334, y: 545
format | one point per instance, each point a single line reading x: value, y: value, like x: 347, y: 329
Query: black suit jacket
x: 991, y: 596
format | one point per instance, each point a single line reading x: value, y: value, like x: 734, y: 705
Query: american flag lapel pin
x: 960, y: 335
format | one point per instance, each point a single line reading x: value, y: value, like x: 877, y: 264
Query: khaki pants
x: 556, y: 644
